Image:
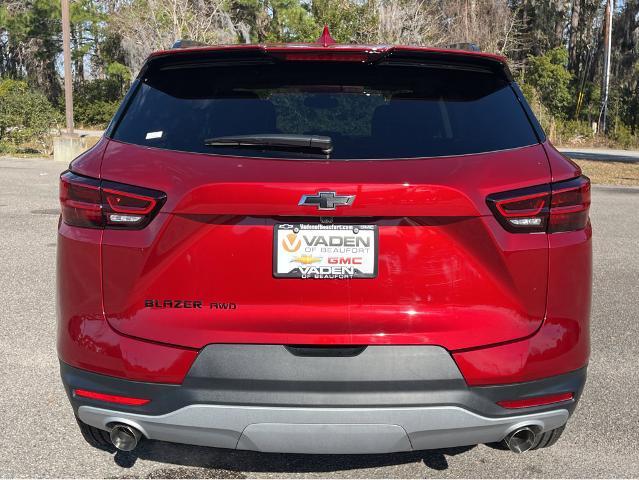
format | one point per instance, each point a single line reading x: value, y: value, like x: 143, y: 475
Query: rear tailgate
x: 418, y: 148
x: 448, y: 273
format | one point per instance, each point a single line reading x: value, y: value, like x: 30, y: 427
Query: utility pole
x: 605, y: 85
x: 66, y: 53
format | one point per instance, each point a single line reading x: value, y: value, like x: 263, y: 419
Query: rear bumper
x: 263, y: 397
x: 323, y: 430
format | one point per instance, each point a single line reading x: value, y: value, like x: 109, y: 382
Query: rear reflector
x: 89, y: 202
x: 536, y: 401
x: 558, y: 207
x: 104, y: 397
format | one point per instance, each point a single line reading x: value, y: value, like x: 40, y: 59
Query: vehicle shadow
x: 224, y: 463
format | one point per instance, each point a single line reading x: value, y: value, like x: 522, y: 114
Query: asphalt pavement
x: 39, y: 437
x: 600, y: 154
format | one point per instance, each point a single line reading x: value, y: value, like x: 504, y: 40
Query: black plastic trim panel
x: 269, y: 375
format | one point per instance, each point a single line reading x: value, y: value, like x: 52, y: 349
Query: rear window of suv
x: 368, y: 111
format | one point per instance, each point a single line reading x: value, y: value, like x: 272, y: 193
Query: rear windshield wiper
x: 275, y: 141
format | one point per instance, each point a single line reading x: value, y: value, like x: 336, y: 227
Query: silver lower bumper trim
x: 323, y: 430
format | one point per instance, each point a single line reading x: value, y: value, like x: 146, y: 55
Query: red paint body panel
x: 441, y: 186
x: 561, y: 167
x: 85, y: 339
x: 448, y: 273
x: 89, y: 162
x: 562, y: 344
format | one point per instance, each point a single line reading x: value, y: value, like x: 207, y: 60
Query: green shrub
x: 623, y: 137
x: 573, y: 132
x: 95, y: 114
x: 95, y: 102
x: 26, y: 117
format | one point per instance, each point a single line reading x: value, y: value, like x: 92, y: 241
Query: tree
x: 30, y: 41
x: 491, y: 24
x: 574, y: 31
x: 625, y: 63
x: 147, y: 25
x: 349, y: 21
x: 548, y: 75
x: 409, y: 22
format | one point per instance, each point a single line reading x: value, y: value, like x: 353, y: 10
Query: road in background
x: 40, y: 438
x: 601, y: 154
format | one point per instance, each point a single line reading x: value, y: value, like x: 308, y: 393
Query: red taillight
x: 80, y: 201
x: 88, y: 202
x: 558, y: 207
x: 127, y: 206
x: 570, y: 204
x: 536, y: 401
x: 104, y: 397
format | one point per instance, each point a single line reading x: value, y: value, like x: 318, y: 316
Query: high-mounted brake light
x: 536, y: 401
x: 105, y: 397
x: 335, y: 56
x: 558, y: 207
x: 89, y: 202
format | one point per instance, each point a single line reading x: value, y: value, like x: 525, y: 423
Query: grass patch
x: 610, y: 173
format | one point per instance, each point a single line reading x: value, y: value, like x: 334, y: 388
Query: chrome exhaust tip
x: 125, y: 437
x: 521, y: 440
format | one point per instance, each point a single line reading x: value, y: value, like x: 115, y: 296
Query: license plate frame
x: 365, y: 249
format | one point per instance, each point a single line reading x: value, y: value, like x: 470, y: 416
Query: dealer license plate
x: 304, y: 250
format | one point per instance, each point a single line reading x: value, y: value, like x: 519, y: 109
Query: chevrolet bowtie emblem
x: 327, y: 200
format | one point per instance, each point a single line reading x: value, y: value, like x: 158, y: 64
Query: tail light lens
x: 570, y: 205
x: 80, y: 201
x: 558, y: 207
x: 89, y: 202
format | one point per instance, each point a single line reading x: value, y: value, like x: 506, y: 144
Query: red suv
x: 324, y: 248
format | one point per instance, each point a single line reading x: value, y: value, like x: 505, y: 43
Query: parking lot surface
x: 39, y: 437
